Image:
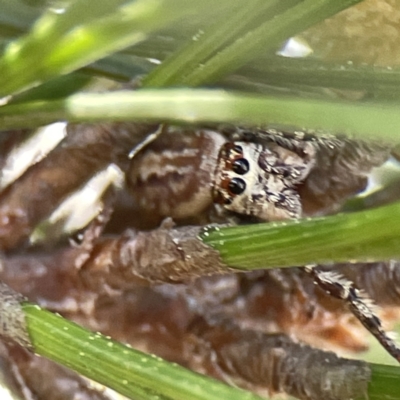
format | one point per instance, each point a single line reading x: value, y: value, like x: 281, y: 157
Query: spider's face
x: 259, y: 180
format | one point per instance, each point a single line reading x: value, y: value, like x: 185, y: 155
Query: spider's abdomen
x: 172, y: 177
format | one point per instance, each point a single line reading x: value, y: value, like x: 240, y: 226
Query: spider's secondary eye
x: 240, y: 166
x: 237, y: 186
x: 237, y: 149
x: 228, y: 201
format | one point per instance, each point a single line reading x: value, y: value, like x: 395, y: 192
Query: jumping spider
x: 236, y: 327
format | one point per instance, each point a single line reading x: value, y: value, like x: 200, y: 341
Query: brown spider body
x: 115, y: 284
x: 173, y: 176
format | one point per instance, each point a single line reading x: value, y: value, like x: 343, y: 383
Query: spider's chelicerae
x: 245, y: 328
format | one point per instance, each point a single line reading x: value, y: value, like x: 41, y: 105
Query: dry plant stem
x: 12, y: 318
x: 276, y: 363
x: 86, y: 150
x: 161, y: 255
x: 285, y: 298
x: 178, y: 256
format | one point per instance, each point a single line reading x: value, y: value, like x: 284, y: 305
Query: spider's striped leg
x: 362, y: 307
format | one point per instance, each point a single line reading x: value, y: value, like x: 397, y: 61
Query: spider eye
x: 237, y: 149
x: 228, y: 201
x: 237, y: 186
x: 240, y: 166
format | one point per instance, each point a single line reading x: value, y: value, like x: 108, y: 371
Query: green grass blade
x: 366, y: 236
x: 385, y: 383
x: 16, y: 17
x: 39, y: 56
x: 25, y: 56
x: 229, y: 27
x: 364, y: 120
x: 57, y: 88
x: 309, y: 72
x: 128, y: 371
x: 265, y: 38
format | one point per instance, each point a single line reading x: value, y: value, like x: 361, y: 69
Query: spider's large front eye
x: 240, y: 166
x: 237, y: 186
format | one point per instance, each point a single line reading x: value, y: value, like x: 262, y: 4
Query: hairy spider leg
x: 362, y: 307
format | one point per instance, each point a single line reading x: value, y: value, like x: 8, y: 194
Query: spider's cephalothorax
x: 260, y: 179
